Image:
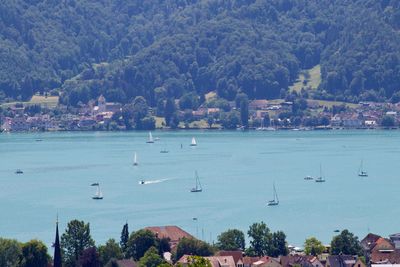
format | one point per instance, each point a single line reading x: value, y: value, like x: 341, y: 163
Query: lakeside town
x: 172, y: 246
x: 45, y: 113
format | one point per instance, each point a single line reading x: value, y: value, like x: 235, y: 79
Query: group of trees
x: 143, y: 246
x: 179, y: 49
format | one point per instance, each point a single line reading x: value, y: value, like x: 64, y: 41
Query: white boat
x: 308, y: 177
x: 320, y: 179
x: 198, y: 187
x: 193, y: 142
x: 135, y: 162
x: 150, y: 140
x: 142, y: 182
x: 164, y: 151
x: 99, y: 194
x: 275, y: 201
x: 361, y: 171
x: 19, y: 171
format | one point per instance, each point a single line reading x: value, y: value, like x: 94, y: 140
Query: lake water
x: 237, y: 171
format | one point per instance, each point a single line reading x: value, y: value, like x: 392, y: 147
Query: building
x: 216, y: 261
x: 343, y: 261
x: 237, y: 256
x: 173, y: 233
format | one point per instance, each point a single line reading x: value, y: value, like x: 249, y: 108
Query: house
x: 6, y: 126
x: 258, y: 104
x: 395, y: 238
x: 125, y: 263
x: 384, y: 251
x: 216, y: 261
x: 261, y: 262
x: 19, y: 124
x: 173, y: 233
x: 302, y: 260
x: 237, y: 256
x: 341, y: 261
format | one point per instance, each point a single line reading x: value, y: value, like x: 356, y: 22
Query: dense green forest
x: 160, y: 49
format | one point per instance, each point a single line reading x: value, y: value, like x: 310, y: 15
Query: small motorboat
x: 308, y: 177
x: 19, y: 171
x: 142, y: 182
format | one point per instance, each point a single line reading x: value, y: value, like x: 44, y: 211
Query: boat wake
x: 143, y: 182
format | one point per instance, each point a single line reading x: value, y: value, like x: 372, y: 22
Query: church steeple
x: 57, y: 250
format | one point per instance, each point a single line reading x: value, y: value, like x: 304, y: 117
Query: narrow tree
x: 244, y: 112
x: 124, y: 239
x: 169, y: 110
x: 75, y: 240
x: 89, y: 258
x: 232, y: 239
x: 279, y: 246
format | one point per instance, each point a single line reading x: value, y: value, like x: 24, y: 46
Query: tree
x: 279, y: 246
x: 34, y: 253
x: 124, y: 238
x: 192, y: 246
x: 89, y: 258
x: 313, y: 246
x: 244, y: 112
x: 140, y: 110
x: 75, y: 240
x: 139, y: 242
x: 110, y: 250
x: 260, y: 239
x: 151, y: 258
x: 197, y: 261
x: 387, y: 121
x: 189, y: 101
x: 232, y: 239
x: 10, y: 252
x: 345, y: 243
x: 169, y: 110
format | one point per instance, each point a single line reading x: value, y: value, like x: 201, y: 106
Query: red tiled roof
x: 174, y: 233
x: 237, y: 255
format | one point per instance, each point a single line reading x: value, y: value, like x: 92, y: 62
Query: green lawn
x: 49, y: 101
x: 313, y: 82
x: 329, y: 104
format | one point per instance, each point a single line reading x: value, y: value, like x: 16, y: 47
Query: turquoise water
x: 237, y: 171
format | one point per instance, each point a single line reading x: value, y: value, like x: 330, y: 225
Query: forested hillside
x: 159, y: 49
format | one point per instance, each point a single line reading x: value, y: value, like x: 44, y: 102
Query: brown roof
x: 386, y: 257
x: 174, y: 233
x: 250, y: 260
x: 237, y: 255
x: 216, y: 261
x: 368, y: 242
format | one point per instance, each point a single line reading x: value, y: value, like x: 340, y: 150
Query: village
x: 263, y: 115
x: 376, y: 251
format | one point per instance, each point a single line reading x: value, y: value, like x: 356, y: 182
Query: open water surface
x: 237, y: 171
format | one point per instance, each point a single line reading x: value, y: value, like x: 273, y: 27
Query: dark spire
x: 57, y: 249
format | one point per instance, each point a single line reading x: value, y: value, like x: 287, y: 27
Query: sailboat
x: 193, y: 142
x: 99, y: 194
x: 320, y: 179
x: 198, y: 185
x: 150, y: 140
x: 361, y: 171
x: 275, y: 201
x: 135, y: 162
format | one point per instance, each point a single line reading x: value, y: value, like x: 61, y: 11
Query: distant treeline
x: 160, y: 49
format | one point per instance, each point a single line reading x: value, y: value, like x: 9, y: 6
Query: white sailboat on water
x: 135, y: 162
x: 194, y: 143
x: 275, y: 201
x: 361, y: 171
x: 150, y: 140
x: 198, y: 187
x: 99, y: 194
x: 320, y: 178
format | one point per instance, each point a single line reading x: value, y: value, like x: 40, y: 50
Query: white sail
x: 99, y: 194
x: 198, y: 187
x: 135, y: 162
x: 151, y: 140
x: 193, y: 142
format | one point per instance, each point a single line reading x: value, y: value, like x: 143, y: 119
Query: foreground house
x: 302, y: 260
x: 216, y: 261
x: 344, y: 261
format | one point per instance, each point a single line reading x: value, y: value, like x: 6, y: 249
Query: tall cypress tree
x: 124, y: 239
